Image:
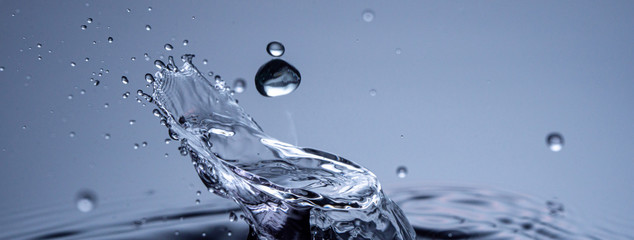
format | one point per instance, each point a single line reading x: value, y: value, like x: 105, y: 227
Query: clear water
x: 277, y: 78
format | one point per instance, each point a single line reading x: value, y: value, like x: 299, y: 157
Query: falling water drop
x: 555, y: 142
x: 277, y: 78
x: 239, y: 85
x: 368, y: 15
x: 86, y: 201
x: 149, y: 78
x: 275, y: 49
x: 168, y: 47
x: 401, y: 172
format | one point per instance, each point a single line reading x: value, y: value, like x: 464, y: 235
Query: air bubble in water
x: 198, y: 193
x: 148, y: 27
x: 144, y: 144
x: 239, y: 85
x: 124, y: 79
x: 368, y: 15
x: 401, y: 172
x: 275, y: 49
x: 555, y: 142
x: 110, y: 39
x: 86, y: 201
x: 277, y: 78
x: 168, y: 47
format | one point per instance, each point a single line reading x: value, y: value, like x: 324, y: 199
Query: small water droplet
x: 144, y: 144
x: 132, y: 122
x: 83, y: 27
x: 229, y: 233
x: 277, y: 78
x: 168, y: 47
x: 82, y: 92
x: 71, y: 134
x: 86, y: 59
x: 185, y: 42
x: 239, y: 85
x: 89, y: 20
x: 110, y: 39
x: 1, y: 69
x: 106, y: 136
x: 197, y: 201
x: 233, y: 217
x: 128, y: 10
x: 86, y: 201
x: 39, y: 45
x: 167, y: 155
x: 398, y: 51
x: 136, y: 146
x: 39, y: 57
x: 401, y: 172
x: 124, y: 79
x: 149, y: 78
x: 167, y: 141
x: 96, y: 83
x: 106, y: 105
x: 24, y: 127
x: 148, y: 27
x: 275, y: 49
x: 149, y: 9
x: 198, y: 193
x: 205, y: 61
x: 126, y: 95
x: 555, y: 142
x: 133, y: 58
x: 70, y: 96
x: 372, y: 92
x: 368, y: 15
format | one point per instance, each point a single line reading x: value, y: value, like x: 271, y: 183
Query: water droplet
x: 70, y: 96
x: 204, y: 234
x: 368, y: 15
x: 124, y: 79
x: 229, y: 233
x: 86, y: 201
x: 197, y: 201
x: 132, y: 122
x: 82, y: 92
x: 372, y: 92
x: 275, y: 49
x: 106, y: 105
x: 96, y: 83
x: 148, y: 27
x: 167, y: 155
x: 89, y: 20
x: 128, y: 10
x: 233, y: 217
x: 39, y: 45
x: 167, y: 141
x: 198, y: 193
x: 555, y: 142
x: 239, y: 85
x: 136, y: 146
x: 277, y: 78
x: 398, y: 51
x: 185, y: 42
x: 71, y: 134
x: 24, y: 127
x: 133, y: 58
x: 401, y: 172
x: 1, y: 69
x: 83, y: 27
x: 168, y: 47
x: 110, y: 39
x: 144, y: 144
x: 149, y: 78
x: 39, y: 57
x: 107, y: 136
x: 149, y: 9
x: 205, y: 61
x: 126, y: 95
x: 86, y: 59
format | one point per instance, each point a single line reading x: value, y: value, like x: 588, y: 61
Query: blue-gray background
x: 466, y: 93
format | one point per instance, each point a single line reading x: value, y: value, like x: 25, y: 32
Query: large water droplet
x: 368, y: 15
x: 401, y: 172
x: 239, y: 85
x: 275, y: 49
x: 277, y: 78
x: 168, y: 47
x: 86, y: 201
x: 555, y: 142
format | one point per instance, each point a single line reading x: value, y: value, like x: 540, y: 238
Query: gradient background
x: 475, y: 90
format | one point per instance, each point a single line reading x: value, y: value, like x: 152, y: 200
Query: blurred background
x: 458, y: 92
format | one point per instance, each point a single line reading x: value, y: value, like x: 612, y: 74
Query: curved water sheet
x: 285, y: 192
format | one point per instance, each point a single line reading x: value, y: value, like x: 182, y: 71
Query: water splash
x: 285, y: 192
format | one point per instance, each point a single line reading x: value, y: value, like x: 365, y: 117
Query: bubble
x: 185, y: 42
x: 168, y: 47
x: 83, y: 27
x: 86, y: 201
x: 368, y: 15
x: 239, y: 85
x: 89, y: 20
x: 110, y: 40
x: 229, y: 233
x: 71, y: 134
x: 133, y: 58
x: 401, y: 172
x: 132, y: 122
x: 277, y: 78
x: 555, y: 142
x: 124, y: 79
x: 148, y: 27
x: 96, y: 83
x: 275, y: 49
x: 106, y: 136
x: 372, y: 92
